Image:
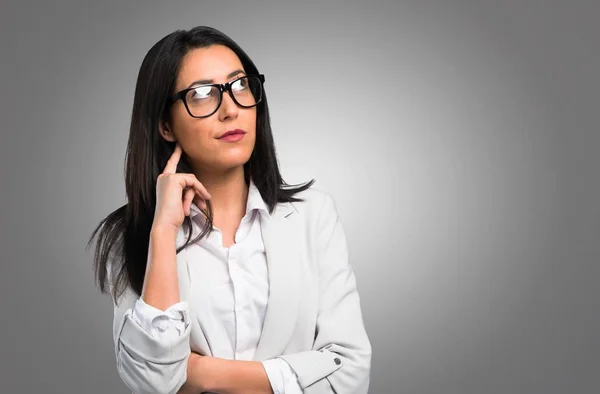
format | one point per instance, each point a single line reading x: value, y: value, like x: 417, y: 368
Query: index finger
x: 171, y: 166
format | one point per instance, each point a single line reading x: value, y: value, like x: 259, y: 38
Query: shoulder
x: 317, y: 203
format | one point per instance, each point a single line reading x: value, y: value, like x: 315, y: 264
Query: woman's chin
x: 234, y: 161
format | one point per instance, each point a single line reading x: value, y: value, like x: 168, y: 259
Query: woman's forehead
x: 215, y: 63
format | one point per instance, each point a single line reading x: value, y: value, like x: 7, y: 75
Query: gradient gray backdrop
x: 459, y: 138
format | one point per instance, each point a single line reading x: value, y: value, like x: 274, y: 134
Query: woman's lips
x: 233, y: 137
x: 234, y: 131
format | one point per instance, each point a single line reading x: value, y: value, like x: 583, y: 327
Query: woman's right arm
x: 150, y: 363
x: 146, y: 362
x: 161, y: 284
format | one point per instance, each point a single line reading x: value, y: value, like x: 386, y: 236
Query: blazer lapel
x: 283, y: 263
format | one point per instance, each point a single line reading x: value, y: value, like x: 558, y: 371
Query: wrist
x: 161, y: 231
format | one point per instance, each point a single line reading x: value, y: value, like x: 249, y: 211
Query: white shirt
x: 239, y: 295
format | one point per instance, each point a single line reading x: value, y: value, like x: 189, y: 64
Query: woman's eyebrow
x: 205, y: 81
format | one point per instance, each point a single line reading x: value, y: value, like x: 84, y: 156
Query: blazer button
x: 337, y: 361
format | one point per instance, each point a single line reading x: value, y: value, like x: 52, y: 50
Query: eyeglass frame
x: 221, y: 87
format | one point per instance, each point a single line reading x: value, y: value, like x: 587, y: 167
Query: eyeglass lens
x: 204, y: 100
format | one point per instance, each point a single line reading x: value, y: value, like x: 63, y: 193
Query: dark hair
x: 123, y: 236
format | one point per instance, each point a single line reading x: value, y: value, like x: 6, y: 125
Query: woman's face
x: 199, y: 137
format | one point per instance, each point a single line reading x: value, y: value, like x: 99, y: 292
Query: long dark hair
x: 123, y: 236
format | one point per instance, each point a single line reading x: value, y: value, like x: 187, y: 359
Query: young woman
x: 224, y: 278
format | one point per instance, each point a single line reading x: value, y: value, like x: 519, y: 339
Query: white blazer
x: 313, y: 319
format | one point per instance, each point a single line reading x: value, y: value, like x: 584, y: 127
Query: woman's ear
x: 166, y: 132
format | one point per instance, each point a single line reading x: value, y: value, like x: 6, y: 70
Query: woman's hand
x: 175, y: 194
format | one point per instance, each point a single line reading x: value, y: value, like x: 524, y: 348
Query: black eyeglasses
x: 204, y: 100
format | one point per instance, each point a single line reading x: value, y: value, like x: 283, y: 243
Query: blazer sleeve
x: 148, y: 364
x: 340, y: 360
x: 162, y: 325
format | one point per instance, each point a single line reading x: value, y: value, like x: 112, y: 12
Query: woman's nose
x: 229, y: 108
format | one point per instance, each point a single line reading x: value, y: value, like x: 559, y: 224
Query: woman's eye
x: 240, y: 84
x: 201, y: 92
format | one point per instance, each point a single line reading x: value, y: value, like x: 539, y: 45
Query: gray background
x: 459, y: 139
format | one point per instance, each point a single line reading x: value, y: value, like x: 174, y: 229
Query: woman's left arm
x: 223, y: 376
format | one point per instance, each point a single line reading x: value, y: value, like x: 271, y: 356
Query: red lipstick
x: 232, y: 135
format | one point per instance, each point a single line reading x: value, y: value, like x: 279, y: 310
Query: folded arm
x: 152, y: 348
x: 149, y: 358
x: 152, y: 361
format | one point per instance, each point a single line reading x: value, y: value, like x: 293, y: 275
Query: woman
x: 224, y: 278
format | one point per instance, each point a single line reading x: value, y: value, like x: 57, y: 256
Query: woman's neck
x: 228, y: 190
